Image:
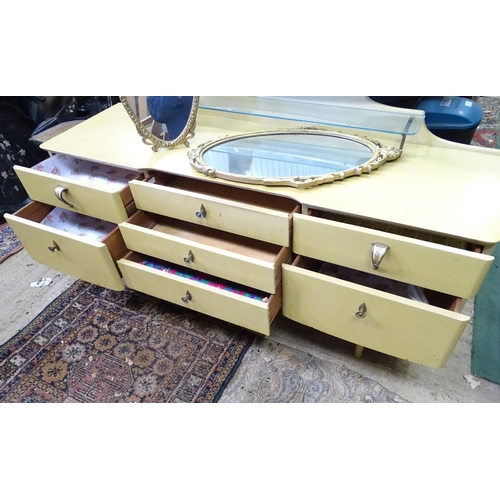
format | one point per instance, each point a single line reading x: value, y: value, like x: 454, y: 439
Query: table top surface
x: 439, y: 186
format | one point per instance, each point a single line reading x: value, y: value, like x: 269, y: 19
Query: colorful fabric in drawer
x: 87, y: 172
x: 78, y: 224
x: 204, y: 278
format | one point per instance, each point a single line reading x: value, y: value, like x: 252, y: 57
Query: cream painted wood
x: 245, y: 219
x: 87, y: 260
x: 393, y: 325
x: 429, y: 265
x: 437, y: 185
x: 243, y: 311
x: 100, y: 202
x: 244, y: 261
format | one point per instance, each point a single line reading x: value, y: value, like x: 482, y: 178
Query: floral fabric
x: 78, y: 224
x: 87, y: 172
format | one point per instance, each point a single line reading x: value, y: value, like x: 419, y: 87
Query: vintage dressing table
x: 384, y: 258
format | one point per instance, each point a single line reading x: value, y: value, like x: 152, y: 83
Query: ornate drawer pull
x: 202, y: 212
x: 361, y: 311
x: 59, y: 191
x: 187, y: 297
x: 55, y: 247
x: 378, y: 252
x: 189, y: 258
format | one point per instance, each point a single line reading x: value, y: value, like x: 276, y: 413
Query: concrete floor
x: 21, y: 303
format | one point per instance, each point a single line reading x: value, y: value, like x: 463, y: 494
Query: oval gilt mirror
x: 299, y: 157
x: 163, y: 121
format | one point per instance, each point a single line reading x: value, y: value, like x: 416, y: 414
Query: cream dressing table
x: 243, y: 252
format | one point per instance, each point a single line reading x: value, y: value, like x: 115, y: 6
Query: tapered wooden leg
x: 358, y: 351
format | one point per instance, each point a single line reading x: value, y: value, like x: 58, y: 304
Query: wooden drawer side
x: 87, y: 260
x: 245, y: 219
x: 100, y: 202
x: 393, y: 325
x: 248, y: 313
x: 243, y: 260
x: 430, y: 265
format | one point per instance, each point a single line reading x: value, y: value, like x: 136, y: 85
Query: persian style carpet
x: 275, y: 373
x: 9, y: 244
x: 93, y: 345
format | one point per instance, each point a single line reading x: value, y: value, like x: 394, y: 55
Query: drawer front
x: 429, y: 265
x: 238, y: 218
x: 86, y: 260
x: 197, y: 256
x: 393, y: 325
x: 252, y: 314
x: 102, y: 203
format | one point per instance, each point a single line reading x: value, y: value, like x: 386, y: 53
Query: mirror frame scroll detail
x: 156, y: 143
x: 380, y: 155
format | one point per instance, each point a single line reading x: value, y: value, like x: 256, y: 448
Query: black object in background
x: 16, y: 127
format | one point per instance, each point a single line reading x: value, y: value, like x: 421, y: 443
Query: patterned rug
x: 274, y: 373
x: 93, y: 345
x: 9, y: 244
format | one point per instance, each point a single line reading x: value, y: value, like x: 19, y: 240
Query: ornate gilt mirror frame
x: 144, y: 123
x: 377, y: 152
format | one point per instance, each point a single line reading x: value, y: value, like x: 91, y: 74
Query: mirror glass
x: 295, y: 157
x: 163, y: 121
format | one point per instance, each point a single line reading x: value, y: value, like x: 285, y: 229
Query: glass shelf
x: 346, y: 112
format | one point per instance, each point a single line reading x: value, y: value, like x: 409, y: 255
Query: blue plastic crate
x: 452, y: 118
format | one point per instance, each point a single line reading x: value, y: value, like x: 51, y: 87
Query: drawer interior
x: 431, y: 297
x: 251, y: 309
x: 87, y: 172
x: 399, y: 230
x: 198, y: 277
x: 231, y: 193
x: 71, y: 171
x: 83, y: 226
x: 248, y: 247
x: 77, y: 224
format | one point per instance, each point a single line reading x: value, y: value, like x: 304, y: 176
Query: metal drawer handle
x: 189, y: 258
x: 361, y: 311
x: 55, y: 247
x: 202, y: 212
x: 378, y: 252
x: 187, y: 297
x: 59, y: 191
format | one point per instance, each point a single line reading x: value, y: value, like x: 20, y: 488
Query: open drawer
x: 411, y: 259
x: 250, y: 309
x: 424, y: 333
x: 235, y: 210
x: 82, y: 186
x: 252, y: 263
x: 86, y: 250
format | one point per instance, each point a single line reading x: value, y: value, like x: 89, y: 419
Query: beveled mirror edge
x: 380, y: 155
x: 156, y: 143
